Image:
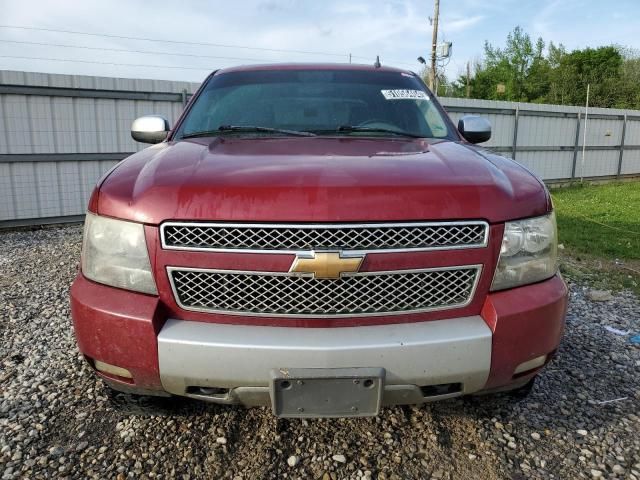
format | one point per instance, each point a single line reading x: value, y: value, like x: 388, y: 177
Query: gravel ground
x: 56, y: 419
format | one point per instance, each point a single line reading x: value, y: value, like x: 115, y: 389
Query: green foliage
x: 600, y: 68
x: 600, y: 220
x: 599, y: 227
x: 528, y: 71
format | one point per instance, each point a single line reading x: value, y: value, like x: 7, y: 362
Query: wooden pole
x: 434, y: 45
x: 468, y: 80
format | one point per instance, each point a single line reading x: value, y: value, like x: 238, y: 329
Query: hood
x: 318, y: 179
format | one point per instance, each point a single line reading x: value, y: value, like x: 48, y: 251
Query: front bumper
x: 233, y: 363
x: 196, y: 354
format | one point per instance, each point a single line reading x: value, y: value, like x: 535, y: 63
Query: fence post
x: 514, y: 147
x: 184, y: 97
x: 624, y: 132
x: 576, y: 146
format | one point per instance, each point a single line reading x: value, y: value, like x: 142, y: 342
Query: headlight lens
x: 529, y: 252
x: 114, y: 252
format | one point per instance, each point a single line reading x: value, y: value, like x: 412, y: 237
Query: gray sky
x: 397, y: 30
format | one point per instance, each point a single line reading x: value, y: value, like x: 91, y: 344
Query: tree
x: 600, y: 68
x: 536, y: 83
x: 520, y: 67
x: 629, y: 87
x: 441, y: 79
x: 525, y: 71
x: 559, y: 79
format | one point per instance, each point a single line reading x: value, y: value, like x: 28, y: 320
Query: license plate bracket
x: 327, y: 392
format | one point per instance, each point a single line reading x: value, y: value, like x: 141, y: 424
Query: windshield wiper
x: 248, y: 129
x: 356, y: 128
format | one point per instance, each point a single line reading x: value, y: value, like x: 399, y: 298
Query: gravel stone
x: 293, y: 460
x: 57, y: 420
x: 56, y: 451
x: 600, y: 295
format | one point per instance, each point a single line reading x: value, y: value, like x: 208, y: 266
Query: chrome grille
x: 285, y: 294
x: 280, y: 238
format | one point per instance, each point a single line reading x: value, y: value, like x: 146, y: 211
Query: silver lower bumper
x: 241, y: 358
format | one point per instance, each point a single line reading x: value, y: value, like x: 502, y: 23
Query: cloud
x: 276, y: 5
x: 543, y: 22
x: 461, y: 24
x: 397, y: 30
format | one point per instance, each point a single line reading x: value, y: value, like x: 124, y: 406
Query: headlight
x: 529, y: 252
x: 114, y: 252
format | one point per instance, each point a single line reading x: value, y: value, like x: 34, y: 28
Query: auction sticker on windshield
x: 402, y: 94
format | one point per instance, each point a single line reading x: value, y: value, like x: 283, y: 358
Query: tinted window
x: 317, y: 101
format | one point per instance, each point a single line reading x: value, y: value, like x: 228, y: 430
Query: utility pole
x: 434, y: 44
x: 468, y: 80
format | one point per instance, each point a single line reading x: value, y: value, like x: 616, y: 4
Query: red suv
x: 322, y: 240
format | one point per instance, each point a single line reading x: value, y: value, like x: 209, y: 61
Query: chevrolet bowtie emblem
x: 327, y: 264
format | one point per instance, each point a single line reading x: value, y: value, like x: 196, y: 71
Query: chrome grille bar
x: 278, y: 294
x: 295, y: 238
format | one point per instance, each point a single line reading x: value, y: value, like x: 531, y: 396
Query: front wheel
x: 162, y: 404
x: 489, y: 397
x: 138, y: 405
x: 522, y: 392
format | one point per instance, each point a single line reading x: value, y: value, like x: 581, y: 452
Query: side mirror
x: 474, y: 129
x: 150, y: 129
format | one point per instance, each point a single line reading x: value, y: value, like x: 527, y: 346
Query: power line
x: 119, y: 64
x: 106, y: 63
x: 183, y: 42
x: 146, y: 52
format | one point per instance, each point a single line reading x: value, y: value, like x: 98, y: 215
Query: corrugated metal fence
x: 548, y: 138
x: 59, y: 133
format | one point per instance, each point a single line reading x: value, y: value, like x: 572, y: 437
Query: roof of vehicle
x: 312, y: 66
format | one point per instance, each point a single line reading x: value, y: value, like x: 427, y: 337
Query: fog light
x: 112, y: 369
x: 530, y: 364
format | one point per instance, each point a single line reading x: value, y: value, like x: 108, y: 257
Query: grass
x: 599, y: 227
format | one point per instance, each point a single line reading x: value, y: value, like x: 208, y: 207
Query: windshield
x: 323, y: 102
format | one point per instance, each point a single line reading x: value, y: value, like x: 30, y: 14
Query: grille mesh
x: 372, y: 293
x: 345, y: 237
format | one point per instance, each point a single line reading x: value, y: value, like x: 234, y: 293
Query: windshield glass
x: 324, y: 102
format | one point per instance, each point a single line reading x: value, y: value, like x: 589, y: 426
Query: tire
x: 522, y: 392
x: 138, y: 405
x: 489, y: 398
